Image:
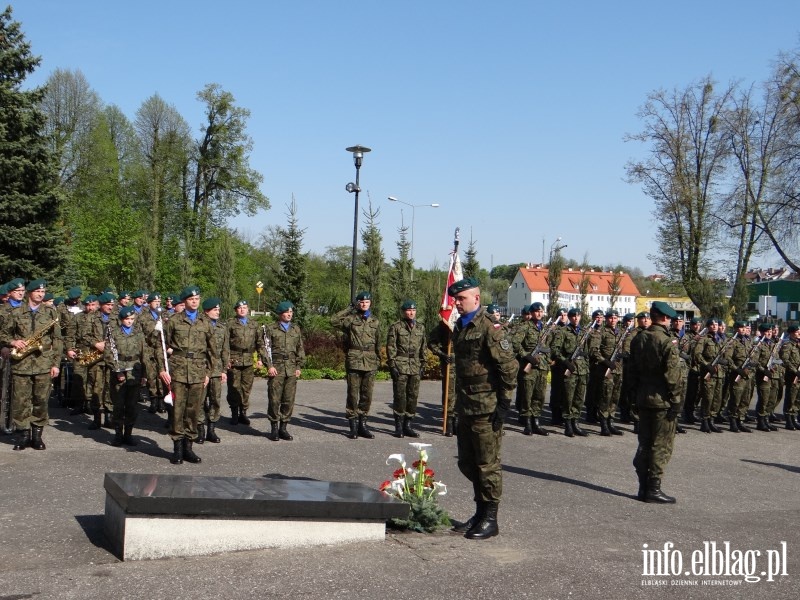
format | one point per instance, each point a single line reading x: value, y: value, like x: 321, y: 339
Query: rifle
x: 540, y: 348
x: 718, y: 357
x: 618, y: 347
x: 773, y: 357
x: 5, y: 398
x: 267, y: 343
x: 747, y: 362
x: 579, y: 348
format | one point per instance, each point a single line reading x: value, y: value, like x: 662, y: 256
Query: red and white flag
x: 448, y: 310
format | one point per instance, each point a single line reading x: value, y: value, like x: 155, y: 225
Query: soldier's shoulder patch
x: 505, y: 344
x: 674, y: 341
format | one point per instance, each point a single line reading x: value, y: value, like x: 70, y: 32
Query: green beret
x: 240, y: 303
x: 211, y: 303
x: 15, y: 283
x: 363, y: 296
x: 643, y: 315
x: 695, y: 320
x: 492, y: 309
x: 711, y: 321
x: 537, y: 306
x: 628, y: 317
x: 525, y: 310
x: 562, y: 311
x: 58, y: 300
x: 766, y: 327
x: 190, y: 292
x: 408, y: 305
x: 48, y: 296
x: 36, y: 284
x: 139, y: 294
x: 663, y: 308
x: 126, y: 311
x: 90, y: 298
x: 124, y: 294
x: 612, y: 312
x: 792, y: 328
x: 573, y: 312
x: 153, y: 297
x: 4, y: 289
x: 106, y: 298
x: 176, y: 299
x: 74, y: 293
x: 597, y: 313
x: 109, y: 290
x: 678, y: 317
x: 738, y: 324
x: 283, y: 307
x: 462, y: 285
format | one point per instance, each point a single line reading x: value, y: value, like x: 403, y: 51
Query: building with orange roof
x: 530, y: 285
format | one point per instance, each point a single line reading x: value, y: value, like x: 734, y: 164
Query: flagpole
x: 453, y: 257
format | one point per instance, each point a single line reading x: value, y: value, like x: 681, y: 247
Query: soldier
x: 27, y: 328
x: 147, y: 320
x: 13, y: 292
x: 517, y: 331
x: 594, y: 385
x: 244, y: 339
x: 790, y: 354
x: 486, y: 377
x: 75, y: 350
x: 569, y: 352
x: 764, y: 379
x: 125, y: 354
x: 706, y: 350
x: 139, y: 300
x: 98, y: 374
x: 607, y: 352
x: 362, y: 348
x: 191, y: 349
x: 657, y: 380
x: 557, y: 373
x: 67, y: 311
x: 493, y: 311
x: 687, y: 346
x: 677, y: 331
x: 643, y: 321
x: 625, y: 391
x: 218, y: 376
x: 739, y: 379
x: 534, y: 363
x: 439, y: 344
x: 285, y: 359
x: 405, y: 357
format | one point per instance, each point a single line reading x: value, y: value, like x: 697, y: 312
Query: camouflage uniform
x: 740, y: 387
x: 574, y: 385
x: 212, y: 403
x: 605, y: 342
x: 244, y: 340
x: 790, y: 354
x: 438, y: 342
x: 532, y: 375
x: 146, y: 322
x: 486, y: 375
x: 362, y: 350
x: 706, y: 350
x: 288, y: 357
x: 126, y: 373
x: 405, y: 357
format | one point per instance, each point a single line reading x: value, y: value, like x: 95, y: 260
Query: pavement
x: 570, y: 526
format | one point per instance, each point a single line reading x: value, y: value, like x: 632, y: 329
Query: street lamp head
x: 358, y: 154
x: 351, y: 187
x: 392, y: 199
x: 435, y: 205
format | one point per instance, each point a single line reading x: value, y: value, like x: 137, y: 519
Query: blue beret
x: 462, y: 285
x: 283, y: 307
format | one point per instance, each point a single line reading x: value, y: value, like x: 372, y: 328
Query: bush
x: 324, y: 351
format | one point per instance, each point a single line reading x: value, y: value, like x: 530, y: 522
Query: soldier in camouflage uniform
x: 486, y: 377
x: 125, y: 354
x: 286, y: 357
x: 74, y: 343
x: 557, y: 374
x: 147, y: 320
x: 570, y: 356
x: 98, y: 373
x: 790, y: 354
x: 219, y: 375
x: 677, y: 331
x: 706, y: 350
x: 594, y: 384
x: 657, y: 375
x: 739, y: 379
x: 192, y: 352
x: 763, y: 379
x: 14, y: 293
x: 32, y: 375
x: 533, y: 368
x: 608, y: 371
x: 439, y: 345
x: 362, y: 349
x: 68, y: 311
x: 245, y: 338
x: 687, y: 346
x: 405, y: 357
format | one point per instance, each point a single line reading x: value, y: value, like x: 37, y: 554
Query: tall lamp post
x: 358, y: 157
x: 413, y: 206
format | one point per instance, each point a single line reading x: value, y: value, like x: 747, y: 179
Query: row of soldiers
x: 111, y: 349
x: 589, y: 369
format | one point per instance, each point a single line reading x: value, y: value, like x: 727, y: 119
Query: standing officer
x: 656, y: 372
x: 405, y: 356
x: 286, y: 357
x: 569, y: 352
x: 594, y: 385
x: 146, y: 321
x: 191, y: 349
x: 486, y: 375
x: 557, y: 373
x: 790, y: 354
x: 94, y: 338
x: 532, y: 377
x: 689, y: 341
x: 608, y: 371
x: 439, y: 343
x: 211, y: 405
x: 705, y: 352
x: 739, y: 379
x: 360, y: 330
x: 677, y: 331
x: 32, y: 373
x: 244, y: 339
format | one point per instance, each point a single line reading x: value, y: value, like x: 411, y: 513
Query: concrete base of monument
x: 159, y: 516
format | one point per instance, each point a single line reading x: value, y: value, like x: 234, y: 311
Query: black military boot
x: 464, y: 527
x: 790, y: 423
x: 713, y: 426
x: 568, y: 431
x: 353, y: 428
x: 36, y: 438
x: 679, y: 429
x: 773, y: 418
x: 733, y: 425
x: 636, y: 427
x: 614, y: 430
x: 654, y: 493
x: 526, y: 421
x: 640, y: 495
x: 704, y: 427
x: 450, y: 428
x: 243, y: 416
x: 177, y: 452
x: 537, y: 428
x: 234, y: 415
x: 273, y: 432
x: 604, y: 428
x: 107, y: 420
x: 761, y: 424
x: 719, y: 419
x: 576, y: 428
x: 283, y: 433
x: 793, y: 419
x: 363, y: 431
x: 24, y: 440
x: 407, y: 431
x: 117, y: 441
x: 95, y: 424
x: 688, y: 417
x: 211, y: 434
x: 769, y: 425
x: 487, y: 526
x: 127, y: 437
x: 201, y: 433
x: 398, y: 426
x: 742, y: 427
x: 188, y: 453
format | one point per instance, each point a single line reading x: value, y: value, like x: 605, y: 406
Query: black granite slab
x: 192, y: 495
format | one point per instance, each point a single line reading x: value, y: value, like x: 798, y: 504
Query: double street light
x: 358, y: 157
x: 413, y: 206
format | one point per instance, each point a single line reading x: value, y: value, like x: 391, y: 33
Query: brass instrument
x: 33, y: 343
x: 87, y: 358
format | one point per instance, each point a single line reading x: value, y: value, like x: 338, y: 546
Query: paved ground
x: 570, y: 527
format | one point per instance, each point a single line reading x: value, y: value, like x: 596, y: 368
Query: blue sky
x: 510, y: 115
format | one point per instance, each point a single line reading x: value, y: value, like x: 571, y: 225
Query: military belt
x: 127, y: 358
x: 187, y: 354
x: 371, y: 347
x: 409, y: 355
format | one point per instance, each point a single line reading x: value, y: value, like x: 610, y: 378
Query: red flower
x: 417, y: 463
x: 399, y: 473
x: 428, y: 473
x: 385, y: 486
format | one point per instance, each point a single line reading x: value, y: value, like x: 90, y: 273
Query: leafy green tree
x: 554, y: 270
x: 30, y: 240
x: 226, y: 269
x: 371, y: 274
x: 401, y: 277
x: 470, y: 267
x: 292, y: 283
